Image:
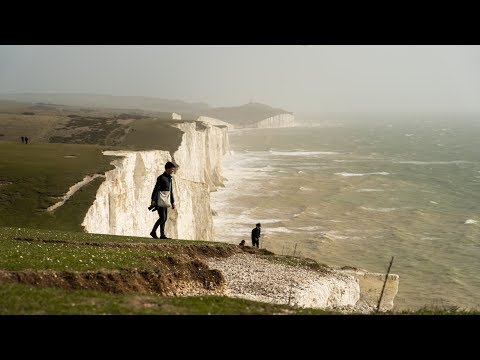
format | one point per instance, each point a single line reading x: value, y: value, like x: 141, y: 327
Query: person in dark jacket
x: 256, y: 235
x: 164, y: 183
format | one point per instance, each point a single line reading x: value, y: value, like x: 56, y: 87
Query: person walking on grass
x: 161, y: 199
x: 256, y: 236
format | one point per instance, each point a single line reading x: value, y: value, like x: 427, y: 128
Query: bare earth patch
x: 173, y: 277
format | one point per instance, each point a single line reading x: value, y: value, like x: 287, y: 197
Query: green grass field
x: 21, y: 299
x: 36, y: 249
x: 35, y: 176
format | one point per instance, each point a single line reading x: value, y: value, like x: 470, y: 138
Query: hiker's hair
x: 169, y: 165
x: 259, y: 224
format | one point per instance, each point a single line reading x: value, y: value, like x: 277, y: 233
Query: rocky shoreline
x: 253, y: 277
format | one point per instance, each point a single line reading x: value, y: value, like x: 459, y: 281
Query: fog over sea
x: 357, y: 192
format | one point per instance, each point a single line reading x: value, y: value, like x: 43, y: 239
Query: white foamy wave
x: 248, y: 220
x: 281, y: 229
x: 310, y: 228
x: 431, y: 162
x: 408, y: 135
x: 222, y: 233
x: 433, y: 202
x: 267, y: 168
x: 303, y: 153
x: 470, y: 221
x: 369, y: 190
x: 334, y: 235
x: 378, y: 209
x: 352, y: 161
x: 244, y: 220
x: 304, y: 188
x: 360, y: 174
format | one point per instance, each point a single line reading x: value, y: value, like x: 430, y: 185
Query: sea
x: 360, y: 191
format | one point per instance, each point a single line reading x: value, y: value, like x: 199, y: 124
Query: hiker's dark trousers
x: 255, y: 242
x: 162, y: 219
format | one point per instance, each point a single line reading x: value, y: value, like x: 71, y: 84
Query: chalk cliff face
x: 201, y: 152
x: 281, y: 120
x: 121, y: 202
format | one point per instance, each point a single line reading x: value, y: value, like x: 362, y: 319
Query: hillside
x: 107, y: 127
x: 112, y: 106
x: 107, y: 101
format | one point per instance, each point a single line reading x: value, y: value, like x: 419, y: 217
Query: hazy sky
x: 294, y: 77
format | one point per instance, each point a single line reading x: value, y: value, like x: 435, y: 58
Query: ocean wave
x: 354, y: 161
x: 414, y: 162
x: 267, y: 168
x: 470, y: 221
x: 333, y: 235
x: 378, y: 209
x: 360, y: 174
x: 310, y: 228
x: 303, y: 153
x: 369, y: 190
x: 281, y: 229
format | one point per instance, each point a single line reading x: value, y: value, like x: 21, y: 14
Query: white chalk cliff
x: 121, y: 202
x: 277, y: 121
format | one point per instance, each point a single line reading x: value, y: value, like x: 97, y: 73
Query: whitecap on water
x: 369, y: 190
x: 360, y: 174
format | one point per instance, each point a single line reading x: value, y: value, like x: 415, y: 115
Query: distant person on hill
x: 256, y: 235
x: 26, y: 140
x: 23, y: 139
x: 162, y: 197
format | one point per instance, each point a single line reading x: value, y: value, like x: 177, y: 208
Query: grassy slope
x: 147, y: 134
x: 59, y: 250
x: 16, y: 299
x: 34, y: 176
x: 63, y: 250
